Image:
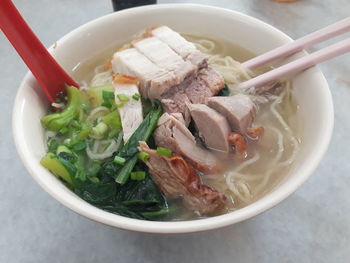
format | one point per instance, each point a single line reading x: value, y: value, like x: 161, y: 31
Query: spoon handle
x: 49, y: 74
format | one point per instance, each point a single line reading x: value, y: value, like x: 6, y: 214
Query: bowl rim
x: 83, y: 208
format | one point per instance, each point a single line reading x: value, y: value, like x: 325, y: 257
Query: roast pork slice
x: 172, y: 133
x: 158, y: 52
x: 207, y: 84
x: 239, y: 110
x: 154, y: 80
x: 176, y: 178
x: 164, y: 57
x: 170, y: 82
x: 178, y: 104
x: 131, y: 112
x: 212, y: 126
x: 180, y: 45
x: 133, y: 63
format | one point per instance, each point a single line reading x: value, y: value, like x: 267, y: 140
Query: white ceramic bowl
x: 310, y: 88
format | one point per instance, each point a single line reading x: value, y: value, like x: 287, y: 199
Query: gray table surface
x: 312, y: 225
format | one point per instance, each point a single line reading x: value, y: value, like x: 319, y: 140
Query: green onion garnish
x: 120, y: 104
x: 62, y: 149
x: 119, y: 160
x: 107, y: 95
x: 143, y: 156
x: 123, y: 98
x: 164, y: 151
x: 100, y: 129
x: 106, y: 104
x: 136, y: 96
x: 138, y: 175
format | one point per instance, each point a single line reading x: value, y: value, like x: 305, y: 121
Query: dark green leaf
x: 224, y: 92
x: 142, y: 133
x: 52, y: 144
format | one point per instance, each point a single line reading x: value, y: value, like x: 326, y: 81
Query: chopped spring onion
x: 123, y: 98
x: 136, y: 96
x: 107, y: 95
x: 119, y: 160
x: 164, y: 151
x: 140, y: 175
x: 106, y: 104
x: 62, y: 148
x: 84, y: 133
x: 100, y: 129
x: 120, y: 104
x: 143, y: 156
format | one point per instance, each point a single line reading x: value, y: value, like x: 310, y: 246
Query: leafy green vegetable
x: 78, y: 146
x: 130, y: 149
x: 104, y: 184
x: 53, y: 164
x: 152, y: 215
x: 147, y: 106
x: 122, y: 210
x: 58, y: 121
x: 142, y: 133
x: 123, y: 174
x: 98, y: 194
x: 52, y: 145
x: 224, y: 92
x: 106, y: 104
x: 106, y: 95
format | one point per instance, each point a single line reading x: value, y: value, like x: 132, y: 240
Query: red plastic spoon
x: 50, y: 75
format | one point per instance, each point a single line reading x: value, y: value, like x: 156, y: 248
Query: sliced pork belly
x: 163, y: 84
x: 207, y: 84
x: 131, y: 112
x: 180, y: 45
x: 176, y: 178
x: 164, y: 57
x: 239, y: 110
x: 155, y: 80
x: 133, y: 63
x: 159, y: 53
x: 212, y: 126
x: 172, y: 133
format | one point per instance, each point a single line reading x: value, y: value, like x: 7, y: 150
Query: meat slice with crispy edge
x: 212, y: 127
x: 176, y: 178
x: 180, y: 45
x: 172, y: 133
x: 239, y: 110
x: 133, y: 63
